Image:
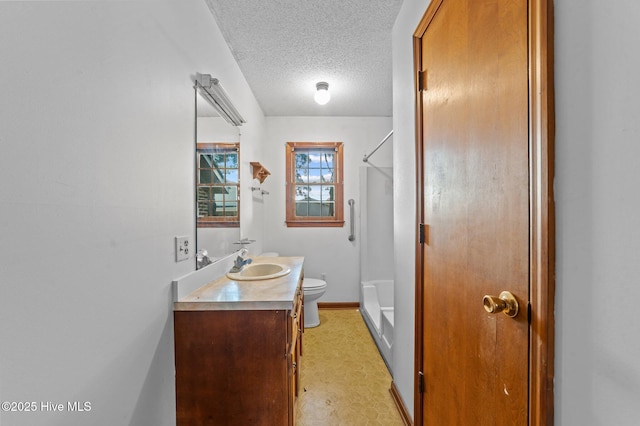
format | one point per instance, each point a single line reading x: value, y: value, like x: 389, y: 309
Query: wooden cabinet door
x: 294, y: 353
x: 294, y: 379
x: 231, y: 367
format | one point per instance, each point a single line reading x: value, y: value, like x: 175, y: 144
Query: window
x: 314, y: 184
x: 217, y: 185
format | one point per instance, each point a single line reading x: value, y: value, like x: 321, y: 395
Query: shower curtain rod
x: 366, y: 157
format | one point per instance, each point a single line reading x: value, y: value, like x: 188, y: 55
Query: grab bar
x: 352, y: 236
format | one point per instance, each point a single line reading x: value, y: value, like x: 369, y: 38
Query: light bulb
x: 322, y: 95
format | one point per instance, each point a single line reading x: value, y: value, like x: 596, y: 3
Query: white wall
x: 96, y: 179
x: 404, y: 212
x: 598, y: 234
x: 598, y: 206
x: 326, y: 250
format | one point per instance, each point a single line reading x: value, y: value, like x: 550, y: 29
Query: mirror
x: 217, y: 146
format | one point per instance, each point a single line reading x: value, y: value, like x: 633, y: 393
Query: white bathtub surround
x: 387, y: 328
x: 377, y: 254
x: 376, y: 222
x: 377, y: 309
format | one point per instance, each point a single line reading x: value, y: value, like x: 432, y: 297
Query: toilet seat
x: 313, y: 283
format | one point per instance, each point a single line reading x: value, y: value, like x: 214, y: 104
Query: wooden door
x: 475, y: 204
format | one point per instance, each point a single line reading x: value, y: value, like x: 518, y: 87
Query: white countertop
x: 227, y: 294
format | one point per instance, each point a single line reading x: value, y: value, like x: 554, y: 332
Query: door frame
x: 541, y: 211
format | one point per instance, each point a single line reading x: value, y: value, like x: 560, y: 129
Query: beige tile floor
x: 344, y: 380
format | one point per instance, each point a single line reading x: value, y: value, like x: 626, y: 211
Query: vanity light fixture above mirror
x: 212, y: 91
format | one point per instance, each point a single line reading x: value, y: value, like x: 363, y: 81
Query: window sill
x: 211, y: 224
x: 315, y: 223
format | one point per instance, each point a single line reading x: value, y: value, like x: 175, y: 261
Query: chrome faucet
x: 240, y: 261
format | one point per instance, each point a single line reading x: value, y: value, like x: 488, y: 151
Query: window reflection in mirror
x: 217, y: 192
x: 218, y: 185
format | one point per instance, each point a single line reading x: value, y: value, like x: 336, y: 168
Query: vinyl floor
x: 343, y: 378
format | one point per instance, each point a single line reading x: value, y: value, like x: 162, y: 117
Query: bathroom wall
x: 598, y: 234
x: 404, y: 195
x: 96, y: 180
x: 326, y: 250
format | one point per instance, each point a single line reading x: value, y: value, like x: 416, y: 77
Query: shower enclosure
x: 376, y: 255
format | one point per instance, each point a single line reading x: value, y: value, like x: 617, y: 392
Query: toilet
x: 313, y: 289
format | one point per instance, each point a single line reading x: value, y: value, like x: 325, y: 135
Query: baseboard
x: 338, y: 305
x: 402, y: 409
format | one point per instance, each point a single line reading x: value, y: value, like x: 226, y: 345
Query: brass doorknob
x: 505, y: 303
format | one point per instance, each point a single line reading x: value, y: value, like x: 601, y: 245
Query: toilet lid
x: 313, y: 283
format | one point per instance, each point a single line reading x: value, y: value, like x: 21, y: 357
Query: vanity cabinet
x: 238, y: 367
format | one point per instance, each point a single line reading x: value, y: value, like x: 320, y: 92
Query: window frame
x: 314, y: 221
x: 217, y: 221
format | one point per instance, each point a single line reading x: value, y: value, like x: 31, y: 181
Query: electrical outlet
x: 183, y: 248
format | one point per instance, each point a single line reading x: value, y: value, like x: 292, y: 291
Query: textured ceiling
x: 284, y: 47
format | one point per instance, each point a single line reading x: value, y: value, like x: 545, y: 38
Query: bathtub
x: 377, y: 310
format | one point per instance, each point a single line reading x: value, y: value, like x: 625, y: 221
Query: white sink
x: 259, y: 271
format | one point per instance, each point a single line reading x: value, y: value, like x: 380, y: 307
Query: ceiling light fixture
x: 322, y: 95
